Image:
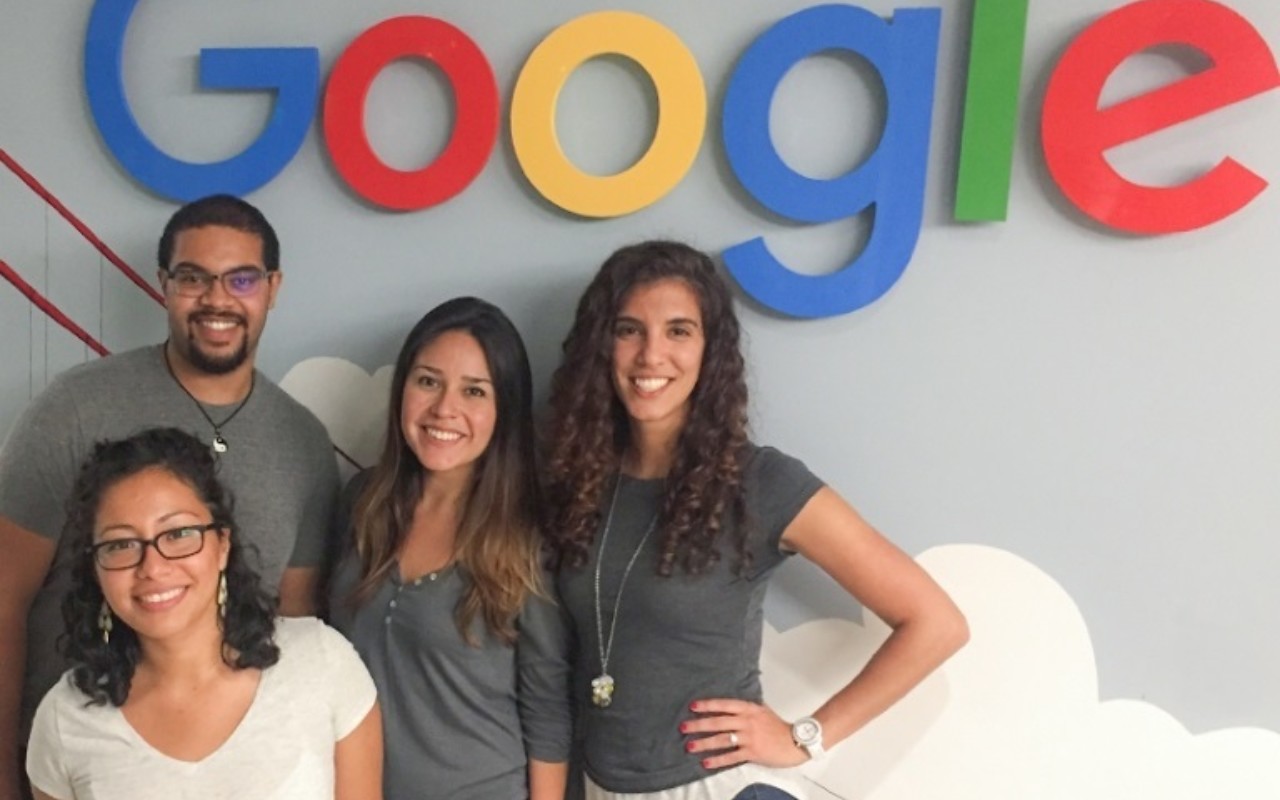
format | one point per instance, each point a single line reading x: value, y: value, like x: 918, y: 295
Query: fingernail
x: 683, y: 728
x: 693, y: 706
x: 706, y: 763
x: 688, y: 747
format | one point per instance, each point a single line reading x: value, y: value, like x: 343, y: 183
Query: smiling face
x: 448, y: 406
x: 216, y: 332
x: 658, y: 341
x: 160, y: 598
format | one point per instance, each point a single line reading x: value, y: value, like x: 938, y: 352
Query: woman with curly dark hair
x: 669, y: 521
x: 442, y: 590
x: 183, y: 680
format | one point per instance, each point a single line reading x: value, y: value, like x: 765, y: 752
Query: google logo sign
x: 1076, y: 133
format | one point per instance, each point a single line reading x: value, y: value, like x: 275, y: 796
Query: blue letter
x: 293, y: 72
x: 905, y: 53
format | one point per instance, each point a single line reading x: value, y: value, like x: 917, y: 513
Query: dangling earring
x: 222, y: 594
x: 104, y: 622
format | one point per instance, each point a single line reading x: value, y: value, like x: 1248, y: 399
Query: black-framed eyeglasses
x: 239, y: 282
x: 172, y: 544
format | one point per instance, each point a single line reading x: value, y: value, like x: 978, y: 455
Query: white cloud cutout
x: 1013, y: 716
x: 350, y: 402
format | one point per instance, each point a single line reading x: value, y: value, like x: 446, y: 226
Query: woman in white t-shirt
x: 185, y: 684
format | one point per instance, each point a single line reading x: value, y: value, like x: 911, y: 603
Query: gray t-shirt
x: 459, y: 722
x: 279, y: 468
x: 677, y: 639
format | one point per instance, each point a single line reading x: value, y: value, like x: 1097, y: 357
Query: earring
x: 104, y: 622
x: 222, y: 594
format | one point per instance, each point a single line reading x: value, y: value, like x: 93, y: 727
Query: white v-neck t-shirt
x: 316, y: 694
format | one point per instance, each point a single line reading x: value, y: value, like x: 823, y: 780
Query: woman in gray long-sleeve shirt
x: 442, y: 591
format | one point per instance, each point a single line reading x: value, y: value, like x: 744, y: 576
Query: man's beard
x: 216, y: 366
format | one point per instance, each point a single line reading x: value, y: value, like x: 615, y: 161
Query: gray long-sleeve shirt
x: 459, y: 722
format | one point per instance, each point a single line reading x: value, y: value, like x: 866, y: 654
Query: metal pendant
x: 219, y: 444
x: 602, y: 691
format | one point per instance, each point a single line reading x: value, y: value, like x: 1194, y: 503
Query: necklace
x: 219, y: 444
x: 602, y: 686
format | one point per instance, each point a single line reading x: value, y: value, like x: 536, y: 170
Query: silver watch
x: 807, y: 734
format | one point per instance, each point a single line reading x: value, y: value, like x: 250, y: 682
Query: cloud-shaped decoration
x: 1013, y: 716
x: 350, y: 402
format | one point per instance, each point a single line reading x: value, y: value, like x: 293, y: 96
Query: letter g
x: 293, y: 72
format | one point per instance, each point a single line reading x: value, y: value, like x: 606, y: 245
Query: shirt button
x: 387, y: 620
x: 392, y: 604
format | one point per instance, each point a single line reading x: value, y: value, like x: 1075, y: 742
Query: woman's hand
x: 736, y: 731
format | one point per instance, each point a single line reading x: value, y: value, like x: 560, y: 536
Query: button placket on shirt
x: 391, y: 605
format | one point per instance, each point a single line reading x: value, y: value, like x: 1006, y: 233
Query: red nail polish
x: 683, y: 728
x: 688, y: 747
x: 706, y: 763
x: 693, y: 706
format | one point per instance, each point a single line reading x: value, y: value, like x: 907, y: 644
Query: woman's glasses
x: 172, y: 544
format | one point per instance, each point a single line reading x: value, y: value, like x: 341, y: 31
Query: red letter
x: 475, y: 127
x: 1076, y: 132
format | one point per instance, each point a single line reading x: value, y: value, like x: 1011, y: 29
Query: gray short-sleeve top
x: 678, y: 638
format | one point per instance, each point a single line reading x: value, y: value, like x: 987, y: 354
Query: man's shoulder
x: 284, y: 404
x: 103, y: 383
x: 284, y: 410
x: 118, y: 368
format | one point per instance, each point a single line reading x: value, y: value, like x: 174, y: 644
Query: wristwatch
x: 807, y: 734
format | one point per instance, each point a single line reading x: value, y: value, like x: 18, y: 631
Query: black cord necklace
x: 219, y: 444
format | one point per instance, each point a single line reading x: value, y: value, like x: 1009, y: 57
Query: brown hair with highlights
x: 497, y: 542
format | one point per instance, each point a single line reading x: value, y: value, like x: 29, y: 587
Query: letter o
x: 475, y: 128
x: 682, y: 113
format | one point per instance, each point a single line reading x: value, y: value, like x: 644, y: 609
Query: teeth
x: 161, y: 597
x: 444, y: 436
x: 218, y: 324
x: 650, y: 384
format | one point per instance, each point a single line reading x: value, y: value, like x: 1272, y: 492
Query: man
x: 219, y: 270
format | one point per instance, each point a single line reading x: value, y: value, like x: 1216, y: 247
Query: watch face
x: 807, y: 731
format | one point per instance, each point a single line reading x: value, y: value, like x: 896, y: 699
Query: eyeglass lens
x: 239, y: 282
x: 126, y: 553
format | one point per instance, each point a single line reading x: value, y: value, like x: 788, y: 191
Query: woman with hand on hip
x: 668, y: 522
x: 185, y: 684
x: 442, y: 591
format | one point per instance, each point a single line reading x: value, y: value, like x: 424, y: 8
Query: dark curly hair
x: 590, y: 430
x: 104, y: 670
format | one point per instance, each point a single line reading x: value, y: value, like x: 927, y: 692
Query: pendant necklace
x: 219, y: 444
x: 602, y: 686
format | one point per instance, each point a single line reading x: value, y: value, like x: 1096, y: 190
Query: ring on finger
x: 733, y: 739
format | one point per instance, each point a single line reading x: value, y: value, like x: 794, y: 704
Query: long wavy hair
x: 497, y: 543
x: 104, y: 670
x: 590, y: 430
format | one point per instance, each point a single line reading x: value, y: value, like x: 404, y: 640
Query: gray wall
x: 1102, y: 405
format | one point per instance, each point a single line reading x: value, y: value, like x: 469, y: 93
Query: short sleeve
x: 39, y: 460
x: 545, y: 675
x: 45, y: 766
x: 315, y: 531
x: 777, y: 487
x: 351, y: 691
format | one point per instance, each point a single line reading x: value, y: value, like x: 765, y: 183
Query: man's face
x: 215, y: 325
